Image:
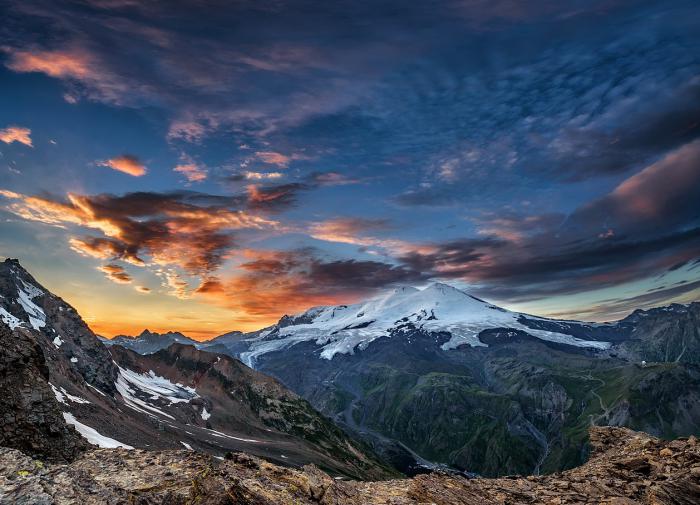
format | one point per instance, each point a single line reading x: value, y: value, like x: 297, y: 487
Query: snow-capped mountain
x: 439, y: 308
x: 462, y: 382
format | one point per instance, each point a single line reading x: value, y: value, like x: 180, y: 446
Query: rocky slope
x: 217, y: 396
x: 626, y: 468
x: 164, y: 400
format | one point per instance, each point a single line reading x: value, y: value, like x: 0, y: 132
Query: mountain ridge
x: 116, y: 397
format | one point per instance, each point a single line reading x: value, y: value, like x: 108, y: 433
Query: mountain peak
x: 438, y: 308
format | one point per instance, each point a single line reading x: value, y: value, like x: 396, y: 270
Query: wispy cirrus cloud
x: 349, y: 230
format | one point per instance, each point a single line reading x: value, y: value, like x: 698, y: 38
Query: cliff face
x: 30, y: 418
x: 626, y: 468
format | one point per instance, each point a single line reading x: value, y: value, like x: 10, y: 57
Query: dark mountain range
x: 56, y: 371
x: 455, y: 380
x: 148, y: 342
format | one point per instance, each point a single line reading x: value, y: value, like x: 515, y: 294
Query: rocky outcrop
x: 626, y: 468
x: 30, y: 419
x: 70, y: 346
x: 664, y: 334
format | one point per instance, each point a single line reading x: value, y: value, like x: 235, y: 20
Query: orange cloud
x: 115, y: 273
x: 78, y: 65
x: 11, y: 195
x: 648, y: 192
x: 348, y: 230
x: 273, y: 158
x: 61, y: 64
x: 273, y: 197
x: 127, y: 164
x: 188, y: 231
x: 16, y: 134
x: 276, y: 282
x: 192, y: 172
x: 143, y: 289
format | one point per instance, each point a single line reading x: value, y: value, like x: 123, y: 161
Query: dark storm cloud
x: 354, y: 274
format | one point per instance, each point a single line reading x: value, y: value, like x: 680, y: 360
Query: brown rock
x: 621, y: 474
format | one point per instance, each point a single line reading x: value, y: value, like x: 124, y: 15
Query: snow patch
x: 187, y: 446
x: 93, y: 387
x: 74, y: 359
x: 224, y: 435
x: 36, y: 315
x: 62, y: 395
x: 31, y: 290
x: 57, y: 341
x: 92, y: 435
x: 9, y: 319
x: 131, y: 385
x: 205, y: 415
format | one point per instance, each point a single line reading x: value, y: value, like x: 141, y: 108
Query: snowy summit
x: 437, y: 308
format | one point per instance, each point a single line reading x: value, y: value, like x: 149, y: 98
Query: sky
x: 210, y: 166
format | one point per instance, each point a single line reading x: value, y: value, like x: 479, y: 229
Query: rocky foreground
x: 626, y: 467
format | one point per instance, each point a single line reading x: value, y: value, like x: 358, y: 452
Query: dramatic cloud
x: 277, y: 197
x: 115, y: 273
x: 127, y: 164
x: 648, y: 224
x: 529, y: 151
x: 191, y: 231
x: 16, y: 134
x: 277, y: 282
x: 665, y: 193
